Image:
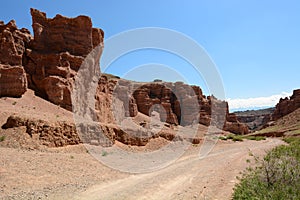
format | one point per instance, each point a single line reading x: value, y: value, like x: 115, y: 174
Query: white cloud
x: 257, y: 102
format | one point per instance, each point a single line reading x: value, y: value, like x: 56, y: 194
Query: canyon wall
x: 287, y: 105
x: 56, y: 53
x: 178, y: 103
x: 49, y: 63
x: 255, y: 119
x: 13, y: 44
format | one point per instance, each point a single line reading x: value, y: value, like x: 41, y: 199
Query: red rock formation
x: 56, y: 54
x: 182, y: 104
x: 49, y: 134
x: 62, y: 34
x: 13, y: 82
x: 53, y: 60
x: 13, y: 43
x: 287, y: 105
x: 63, y: 133
x: 103, y: 105
x: 233, y: 125
x: 148, y: 95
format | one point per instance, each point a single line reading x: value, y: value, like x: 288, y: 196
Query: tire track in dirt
x: 188, y: 178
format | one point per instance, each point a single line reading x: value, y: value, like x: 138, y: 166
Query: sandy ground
x: 189, y: 178
x: 72, y: 173
x: 28, y: 171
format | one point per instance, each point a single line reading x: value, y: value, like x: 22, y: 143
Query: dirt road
x: 189, y: 178
x: 72, y: 173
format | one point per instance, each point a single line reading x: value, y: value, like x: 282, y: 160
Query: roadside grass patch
x: 292, y: 140
x: 223, y: 138
x: 276, y: 176
x: 241, y: 137
x: 237, y: 139
x: 256, y: 138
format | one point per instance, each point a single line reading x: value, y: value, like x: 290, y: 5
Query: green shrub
x: 2, y: 138
x: 237, y: 139
x: 276, y: 176
x: 242, y: 137
x: 104, y: 153
x: 253, y: 137
x: 230, y: 137
x: 223, y: 138
x: 258, y: 138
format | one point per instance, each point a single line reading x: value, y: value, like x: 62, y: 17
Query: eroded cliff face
x: 287, y: 105
x: 56, y: 53
x: 177, y: 103
x: 51, y: 62
x: 13, y: 43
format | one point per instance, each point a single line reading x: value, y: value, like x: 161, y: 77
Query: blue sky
x: 254, y: 44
